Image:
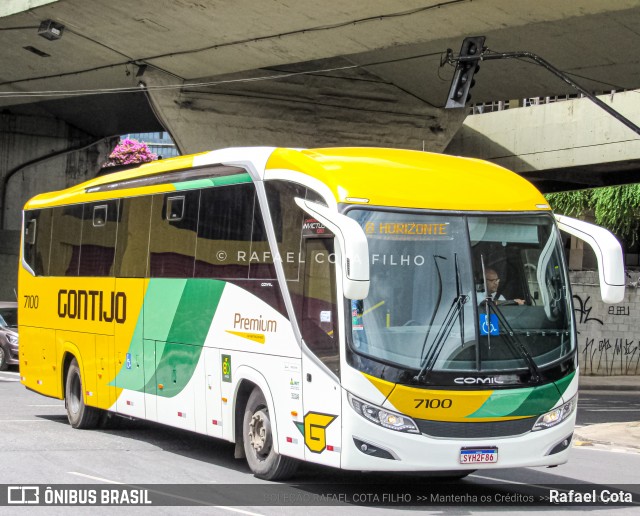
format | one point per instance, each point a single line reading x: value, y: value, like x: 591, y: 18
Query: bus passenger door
x: 319, y: 327
x: 176, y: 384
x: 105, y: 371
x: 129, y: 350
x: 212, y: 394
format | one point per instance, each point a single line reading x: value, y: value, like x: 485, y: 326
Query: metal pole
x: 557, y: 73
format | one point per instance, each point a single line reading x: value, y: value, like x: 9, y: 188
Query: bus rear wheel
x: 78, y: 414
x: 263, y: 460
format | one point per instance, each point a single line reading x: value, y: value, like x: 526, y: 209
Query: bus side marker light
x: 224, y: 400
x: 294, y: 413
x: 182, y: 414
x: 39, y: 382
x: 216, y: 422
x: 292, y: 440
x: 333, y: 448
x: 160, y: 386
x: 89, y: 393
x: 130, y: 403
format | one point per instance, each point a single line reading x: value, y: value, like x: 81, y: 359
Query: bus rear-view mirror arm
x: 608, y: 254
x: 353, y: 247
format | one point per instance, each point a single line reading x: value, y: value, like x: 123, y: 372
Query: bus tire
x: 79, y: 415
x: 263, y: 460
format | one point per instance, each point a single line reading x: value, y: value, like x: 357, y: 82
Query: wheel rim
x: 260, y: 434
x: 74, y: 393
x: 1, y: 355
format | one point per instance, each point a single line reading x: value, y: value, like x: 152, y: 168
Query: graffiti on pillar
x: 611, y: 356
x: 583, y: 309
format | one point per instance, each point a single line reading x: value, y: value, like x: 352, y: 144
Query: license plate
x: 486, y: 455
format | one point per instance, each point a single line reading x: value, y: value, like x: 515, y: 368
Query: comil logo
x: 475, y: 381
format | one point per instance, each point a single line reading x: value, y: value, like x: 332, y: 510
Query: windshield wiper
x: 514, y: 343
x: 455, y: 312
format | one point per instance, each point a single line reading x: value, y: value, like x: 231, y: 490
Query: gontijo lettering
x: 92, y: 305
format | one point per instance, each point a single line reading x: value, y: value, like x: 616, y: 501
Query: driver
x: 492, y: 280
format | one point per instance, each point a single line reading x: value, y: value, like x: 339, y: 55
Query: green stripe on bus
x: 541, y: 400
x: 161, y: 303
x: 501, y: 403
x: 213, y: 181
x: 186, y: 337
x: 531, y: 401
x: 193, y: 185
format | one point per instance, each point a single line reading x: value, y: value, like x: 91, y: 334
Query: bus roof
x: 413, y: 179
x: 373, y: 176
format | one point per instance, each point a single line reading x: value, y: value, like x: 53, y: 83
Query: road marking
x: 24, y: 421
x: 613, y: 410
x: 8, y: 380
x: 499, y: 480
x: 58, y: 405
x: 231, y: 509
x: 99, y: 479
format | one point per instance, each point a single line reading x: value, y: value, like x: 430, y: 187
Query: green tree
x: 616, y: 208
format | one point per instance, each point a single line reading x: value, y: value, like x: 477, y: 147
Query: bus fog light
x: 557, y: 415
x: 383, y: 417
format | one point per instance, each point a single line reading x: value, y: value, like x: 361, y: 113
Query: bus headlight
x: 557, y: 415
x: 383, y: 417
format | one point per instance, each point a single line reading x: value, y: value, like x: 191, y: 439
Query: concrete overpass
x: 216, y: 73
x: 560, y: 145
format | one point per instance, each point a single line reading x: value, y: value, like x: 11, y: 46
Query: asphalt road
x: 39, y: 447
x: 608, y: 407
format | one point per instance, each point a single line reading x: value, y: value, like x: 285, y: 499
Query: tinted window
x: 66, y: 238
x: 172, y: 239
x: 224, y: 232
x: 133, y: 237
x: 99, y: 229
x: 37, y: 240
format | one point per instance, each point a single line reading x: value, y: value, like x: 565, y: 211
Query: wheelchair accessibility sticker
x: 489, y: 325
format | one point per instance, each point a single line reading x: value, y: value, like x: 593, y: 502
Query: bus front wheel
x: 263, y: 460
x: 78, y: 414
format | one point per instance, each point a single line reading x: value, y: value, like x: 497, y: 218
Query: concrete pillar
x: 348, y: 108
x: 38, y: 154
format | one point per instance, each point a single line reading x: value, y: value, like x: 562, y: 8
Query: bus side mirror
x: 608, y: 253
x: 353, y: 251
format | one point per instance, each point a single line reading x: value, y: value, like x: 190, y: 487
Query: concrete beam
x: 343, y: 108
x: 571, y: 134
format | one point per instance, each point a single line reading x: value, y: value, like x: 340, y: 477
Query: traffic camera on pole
x: 467, y: 64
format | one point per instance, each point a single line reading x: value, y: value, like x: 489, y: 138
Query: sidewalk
x: 609, y: 383
x: 625, y: 435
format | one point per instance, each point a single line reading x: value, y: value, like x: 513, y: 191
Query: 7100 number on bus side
x: 31, y: 301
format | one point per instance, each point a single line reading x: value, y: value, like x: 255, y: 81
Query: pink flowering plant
x: 129, y: 151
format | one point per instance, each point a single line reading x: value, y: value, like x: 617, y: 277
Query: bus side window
x: 66, y: 238
x: 98, y: 247
x: 133, y: 237
x: 172, y: 238
x: 37, y: 240
x: 224, y: 232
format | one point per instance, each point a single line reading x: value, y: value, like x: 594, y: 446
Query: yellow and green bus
x: 324, y: 305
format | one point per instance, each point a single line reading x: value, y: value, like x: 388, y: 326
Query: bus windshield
x: 462, y: 293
